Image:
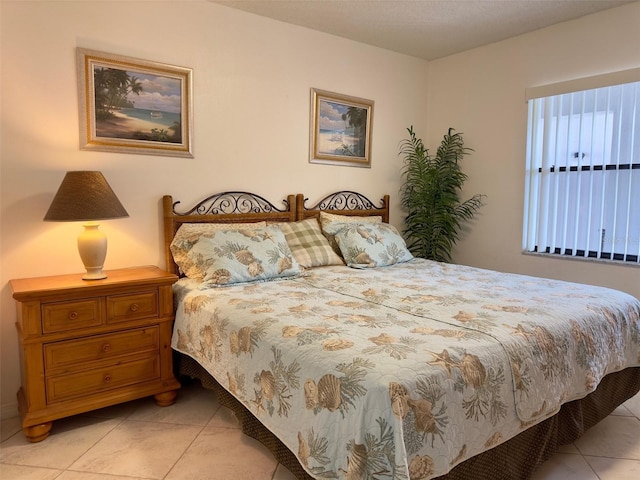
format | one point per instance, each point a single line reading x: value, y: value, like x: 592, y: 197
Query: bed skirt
x: 516, y: 458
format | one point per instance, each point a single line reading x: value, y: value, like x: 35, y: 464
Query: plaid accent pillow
x: 309, y: 246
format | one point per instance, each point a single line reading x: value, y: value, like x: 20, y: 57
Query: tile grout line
x: 202, y: 427
x: 94, y: 443
x: 191, y: 443
x: 88, y: 415
x: 588, y: 464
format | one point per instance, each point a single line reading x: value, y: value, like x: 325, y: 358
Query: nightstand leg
x: 37, y: 433
x: 165, y: 399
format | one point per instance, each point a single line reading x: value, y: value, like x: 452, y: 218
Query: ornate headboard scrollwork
x: 225, y: 207
x: 344, y: 202
x: 233, y: 203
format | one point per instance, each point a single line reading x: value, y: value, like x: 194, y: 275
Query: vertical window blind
x: 582, y: 191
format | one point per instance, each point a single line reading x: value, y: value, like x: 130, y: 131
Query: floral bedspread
x: 405, y: 371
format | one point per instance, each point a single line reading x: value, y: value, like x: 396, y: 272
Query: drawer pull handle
x: 107, y: 378
x: 106, y: 348
x: 73, y: 315
x: 134, y: 307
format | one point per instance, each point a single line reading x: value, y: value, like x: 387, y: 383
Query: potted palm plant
x: 430, y: 195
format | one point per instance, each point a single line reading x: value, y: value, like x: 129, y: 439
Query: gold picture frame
x: 340, y: 129
x: 128, y: 105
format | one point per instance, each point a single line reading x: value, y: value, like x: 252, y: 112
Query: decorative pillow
x: 371, y: 245
x: 326, y: 219
x: 238, y: 256
x: 309, y: 246
x: 189, y: 233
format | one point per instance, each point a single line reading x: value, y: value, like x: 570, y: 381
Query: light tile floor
x: 196, y: 439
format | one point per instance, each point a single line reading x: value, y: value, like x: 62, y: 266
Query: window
x: 582, y: 194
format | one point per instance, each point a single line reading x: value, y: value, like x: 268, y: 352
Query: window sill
x: 558, y: 256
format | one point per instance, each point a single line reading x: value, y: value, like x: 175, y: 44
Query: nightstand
x: 91, y: 344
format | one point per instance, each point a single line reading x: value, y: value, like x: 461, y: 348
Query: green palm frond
x: 430, y: 195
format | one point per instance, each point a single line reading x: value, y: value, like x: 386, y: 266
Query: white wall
x: 481, y: 93
x: 252, y: 78
x: 252, y: 81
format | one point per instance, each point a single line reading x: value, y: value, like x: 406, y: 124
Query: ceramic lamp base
x: 92, y: 245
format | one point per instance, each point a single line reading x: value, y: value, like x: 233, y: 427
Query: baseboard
x: 8, y: 410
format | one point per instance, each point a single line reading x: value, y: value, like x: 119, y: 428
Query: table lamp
x: 86, y: 197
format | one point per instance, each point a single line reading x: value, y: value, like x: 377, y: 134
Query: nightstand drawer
x: 65, y: 316
x: 122, y: 308
x: 65, y: 387
x: 74, y: 354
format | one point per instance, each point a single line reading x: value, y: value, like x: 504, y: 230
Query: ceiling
x: 427, y: 29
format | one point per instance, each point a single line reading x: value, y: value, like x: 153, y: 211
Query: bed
x: 388, y: 367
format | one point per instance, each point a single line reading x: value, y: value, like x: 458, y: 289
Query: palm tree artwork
x: 356, y: 119
x: 122, y: 108
x: 112, y: 86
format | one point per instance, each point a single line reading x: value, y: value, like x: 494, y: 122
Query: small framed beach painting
x: 340, y: 129
x: 137, y: 106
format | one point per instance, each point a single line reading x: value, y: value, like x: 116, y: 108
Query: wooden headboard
x: 343, y: 203
x: 225, y: 207
x: 239, y: 207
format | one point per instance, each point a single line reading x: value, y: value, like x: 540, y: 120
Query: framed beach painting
x: 134, y: 106
x: 340, y: 129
